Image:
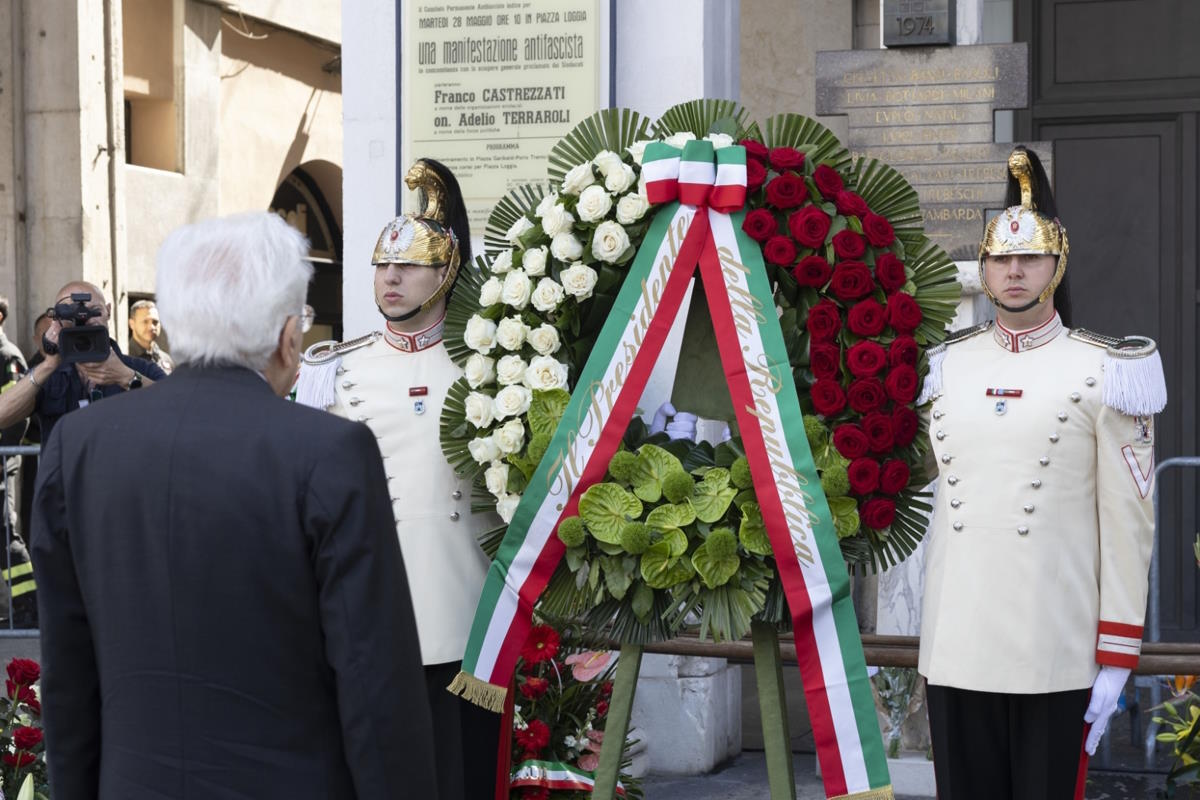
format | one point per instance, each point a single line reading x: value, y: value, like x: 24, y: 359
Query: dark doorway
x: 300, y: 201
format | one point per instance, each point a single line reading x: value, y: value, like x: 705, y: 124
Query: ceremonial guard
x: 1036, y: 573
x: 395, y: 381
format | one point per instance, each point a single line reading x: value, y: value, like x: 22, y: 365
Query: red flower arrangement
x: 22, y: 750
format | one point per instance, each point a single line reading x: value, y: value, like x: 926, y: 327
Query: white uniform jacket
x: 1042, y: 527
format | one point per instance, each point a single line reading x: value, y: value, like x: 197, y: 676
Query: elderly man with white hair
x: 237, y: 623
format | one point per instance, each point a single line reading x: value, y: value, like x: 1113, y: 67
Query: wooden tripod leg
x: 613, y: 748
x: 772, y: 704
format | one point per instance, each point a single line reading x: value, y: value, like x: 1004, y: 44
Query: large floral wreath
x: 675, y: 529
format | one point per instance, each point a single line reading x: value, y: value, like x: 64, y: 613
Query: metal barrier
x: 17, y: 572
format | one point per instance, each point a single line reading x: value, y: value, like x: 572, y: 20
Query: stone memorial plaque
x: 907, y: 23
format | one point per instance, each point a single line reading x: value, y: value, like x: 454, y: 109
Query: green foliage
x: 845, y: 516
x: 605, y: 508
x: 635, y: 537
x: 518, y: 203
x: 835, y: 481
x: 661, y: 570
x: 462, y: 305
x: 651, y: 468
x: 702, y: 117
x: 713, y: 495
x: 612, y: 129
x: 545, y: 410
x: 572, y: 532
x: 678, y: 486
x: 752, y: 533
x: 622, y: 466
x: 721, y: 543
x: 815, y: 431
x: 739, y: 473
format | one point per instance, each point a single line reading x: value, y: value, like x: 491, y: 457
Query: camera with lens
x: 80, y: 342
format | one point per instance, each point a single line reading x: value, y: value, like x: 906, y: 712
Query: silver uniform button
x: 941, y: 435
x: 1023, y: 530
x: 348, y: 384
x: 946, y: 459
x: 1054, y: 438
x: 938, y: 414
x: 1035, y: 483
x: 354, y: 401
x: 361, y: 418
x: 454, y: 516
x: 1044, y: 460
x: 340, y: 371
x: 1028, y: 507
x: 1062, y: 416
x: 958, y: 526
x: 1090, y: 381
x: 1075, y: 397
x: 955, y: 503
x: 456, y: 494
x: 952, y: 480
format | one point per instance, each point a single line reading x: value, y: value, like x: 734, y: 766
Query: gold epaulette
x: 1127, y: 347
x: 324, y: 352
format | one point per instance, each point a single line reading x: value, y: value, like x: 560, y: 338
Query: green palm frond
x: 464, y: 304
x: 700, y: 117
x: 455, y: 432
x: 817, y: 142
x: 608, y: 129
x: 626, y: 628
x: 871, y: 552
x: 512, y: 206
x: 489, y: 540
x: 889, y: 194
x: 937, y: 288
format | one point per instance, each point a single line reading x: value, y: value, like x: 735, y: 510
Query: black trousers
x: 989, y: 746
x: 465, y: 739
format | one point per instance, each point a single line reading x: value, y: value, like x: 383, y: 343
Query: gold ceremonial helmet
x: 1020, y: 230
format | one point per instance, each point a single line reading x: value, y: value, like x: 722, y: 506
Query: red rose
x: 541, y: 645
x: 606, y: 688
x: 878, y: 230
x: 851, y: 281
x: 866, y: 318
x: 534, y: 737
x: 904, y: 423
x: 829, y: 183
x: 850, y: 441
x: 760, y: 225
x: 828, y: 398
x: 601, y: 708
x: 889, y: 271
x: 878, y: 428
x: 786, y: 191
x: 780, y: 250
x: 850, y: 204
x: 533, y: 688
x: 810, y: 226
x: 824, y: 359
x: 866, y: 395
x: 865, y: 359
x: 812, y: 271
x: 848, y: 244
x: 824, y: 321
x: 754, y: 149
x: 877, y: 513
x: 26, y: 738
x: 894, y: 476
x: 864, y: 475
x: 903, y: 350
x: 23, y: 671
x: 26, y: 695
x: 756, y: 174
x: 903, y: 312
x: 19, y: 759
x: 786, y: 158
x: 902, y: 384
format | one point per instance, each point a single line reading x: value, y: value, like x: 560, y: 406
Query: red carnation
x: 865, y: 359
x: 903, y: 312
x: 850, y: 441
x: 23, y: 671
x: 780, y: 250
x: 786, y: 191
x: 754, y: 149
x: 756, y: 175
x: 534, y: 737
x: 760, y: 225
x: 866, y: 318
x: 866, y: 395
x: 878, y: 230
x: 829, y: 183
x: 20, y: 759
x: 828, y: 398
x: 601, y: 708
x: 903, y: 350
x: 864, y: 475
x: 533, y: 688
x: 26, y: 738
x: 606, y: 688
x: 902, y: 384
x: 542, y: 644
x: 889, y: 271
x: 824, y: 359
x: 786, y: 158
x: 848, y: 244
x: 878, y: 428
x: 894, y: 476
x: 851, y: 281
x: 810, y: 226
x: 850, y: 204
x: 904, y: 423
x: 824, y: 321
x: 812, y: 271
x: 877, y: 513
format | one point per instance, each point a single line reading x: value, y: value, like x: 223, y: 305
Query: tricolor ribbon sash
x: 681, y: 237
x: 555, y: 775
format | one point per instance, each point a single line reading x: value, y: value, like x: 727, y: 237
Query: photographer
x: 56, y: 386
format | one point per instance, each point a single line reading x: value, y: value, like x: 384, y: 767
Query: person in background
x: 144, y: 330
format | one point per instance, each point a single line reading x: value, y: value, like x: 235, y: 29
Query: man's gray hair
x: 139, y: 306
x: 226, y: 287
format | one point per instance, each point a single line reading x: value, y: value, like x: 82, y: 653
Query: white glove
x: 1105, y: 692
x: 681, y: 426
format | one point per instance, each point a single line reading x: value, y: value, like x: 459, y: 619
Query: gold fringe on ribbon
x: 481, y: 693
x: 882, y: 793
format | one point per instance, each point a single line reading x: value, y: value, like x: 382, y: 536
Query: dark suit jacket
x: 233, y: 622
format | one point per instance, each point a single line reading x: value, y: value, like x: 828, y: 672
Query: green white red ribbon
x: 555, y: 775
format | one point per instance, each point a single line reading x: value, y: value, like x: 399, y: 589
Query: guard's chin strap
x: 402, y: 317
x: 1041, y: 297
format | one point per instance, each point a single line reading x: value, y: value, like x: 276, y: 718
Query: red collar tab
x: 1020, y: 341
x: 415, y: 342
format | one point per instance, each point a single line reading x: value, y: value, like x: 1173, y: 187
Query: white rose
x: 512, y: 401
x: 480, y: 370
x: 546, y: 373
x: 638, y: 150
x: 565, y: 247
x: 579, y: 178
x: 606, y: 161
x: 510, y: 333
x: 506, y: 506
x: 547, y: 296
x: 620, y: 179
x: 516, y: 289
x: 496, y: 477
x: 519, y: 227
x: 544, y: 339
x: 511, y: 369
x: 578, y: 280
x: 610, y: 241
x: 510, y: 436
x: 680, y: 139
x: 593, y: 204
x: 632, y: 207
x: 720, y: 140
x: 489, y: 293
x: 557, y: 220
x: 546, y: 204
x: 502, y: 263
x: 483, y: 449
x: 480, y: 409
x: 480, y: 334
x: 534, y: 261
